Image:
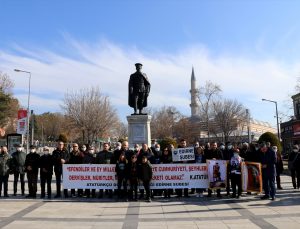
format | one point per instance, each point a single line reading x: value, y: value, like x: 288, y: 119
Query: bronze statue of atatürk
x: 138, y: 90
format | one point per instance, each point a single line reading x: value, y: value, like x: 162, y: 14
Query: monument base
x: 139, y: 129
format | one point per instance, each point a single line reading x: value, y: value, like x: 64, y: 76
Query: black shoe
x: 265, y: 197
x: 209, y: 195
x: 233, y: 196
x: 28, y: 196
x: 279, y: 187
x: 219, y: 195
x: 15, y: 194
x: 238, y: 196
x: 57, y: 196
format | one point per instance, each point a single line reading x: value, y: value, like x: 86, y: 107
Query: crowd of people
x: 135, y: 165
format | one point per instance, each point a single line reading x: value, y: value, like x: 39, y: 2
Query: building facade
x: 290, y: 130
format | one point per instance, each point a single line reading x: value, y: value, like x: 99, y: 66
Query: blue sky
x: 250, y: 48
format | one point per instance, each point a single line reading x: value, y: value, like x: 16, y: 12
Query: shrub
x: 166, y: 142
x: 272, y: 138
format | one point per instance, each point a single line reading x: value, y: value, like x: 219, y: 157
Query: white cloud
x: 108, y: 66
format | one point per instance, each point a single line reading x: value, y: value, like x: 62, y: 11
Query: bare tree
x: 90, y: 112
x: 120, y: 131
x: 6, y: 84
x: 229, y: 115
x: 182, y: 129
x: 207, y: 95
x: 8, y: 104
x: 163, y: 122
x: 50, y: 125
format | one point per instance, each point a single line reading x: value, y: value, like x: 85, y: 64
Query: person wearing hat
x: 18, y: 168
x: 138, y: 90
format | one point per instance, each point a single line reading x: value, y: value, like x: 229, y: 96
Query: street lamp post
x: 28, y: 110
x: 278, y: 133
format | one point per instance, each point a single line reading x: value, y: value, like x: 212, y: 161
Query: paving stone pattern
x: 247, y: 212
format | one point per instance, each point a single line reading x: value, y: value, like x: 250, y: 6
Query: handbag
x: 291, y: 164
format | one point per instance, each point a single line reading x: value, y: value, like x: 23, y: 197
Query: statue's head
x: 138, y: 66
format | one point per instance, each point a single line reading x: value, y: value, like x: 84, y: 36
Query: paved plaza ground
x: 247, y: 212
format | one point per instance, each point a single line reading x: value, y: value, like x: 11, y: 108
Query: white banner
x: 183, y: 154
x: 91, y: 176
x: 22, y: 122
x: 21, y: 126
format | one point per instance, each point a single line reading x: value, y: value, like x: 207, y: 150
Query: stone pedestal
x: 139, y: 129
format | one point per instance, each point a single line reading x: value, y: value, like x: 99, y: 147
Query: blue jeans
x: 269, y: 186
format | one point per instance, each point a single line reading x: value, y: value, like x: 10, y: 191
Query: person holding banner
x: 122, y: 175
x: 104, y: 157
x: 117, y: 152
x: 183, y: 144
x: 60, y: 157
x: 90, y: 158
x: 214, y: 154
x: 227, y: 155
x: 76, y: 157
x: 166, y: 158
x: 200, y: 158
x: 126, y: 151
x: 236, y: 174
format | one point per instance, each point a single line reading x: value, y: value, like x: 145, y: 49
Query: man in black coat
x: 60, y: 157
x: 18, y: 167
x: 32, y: 169
x: 104, y: 157
x: 46, y: 172
x: 268, y: 161
x: 76, y: 157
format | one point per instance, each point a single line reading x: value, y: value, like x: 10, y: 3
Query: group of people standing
x: 134, y: 165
